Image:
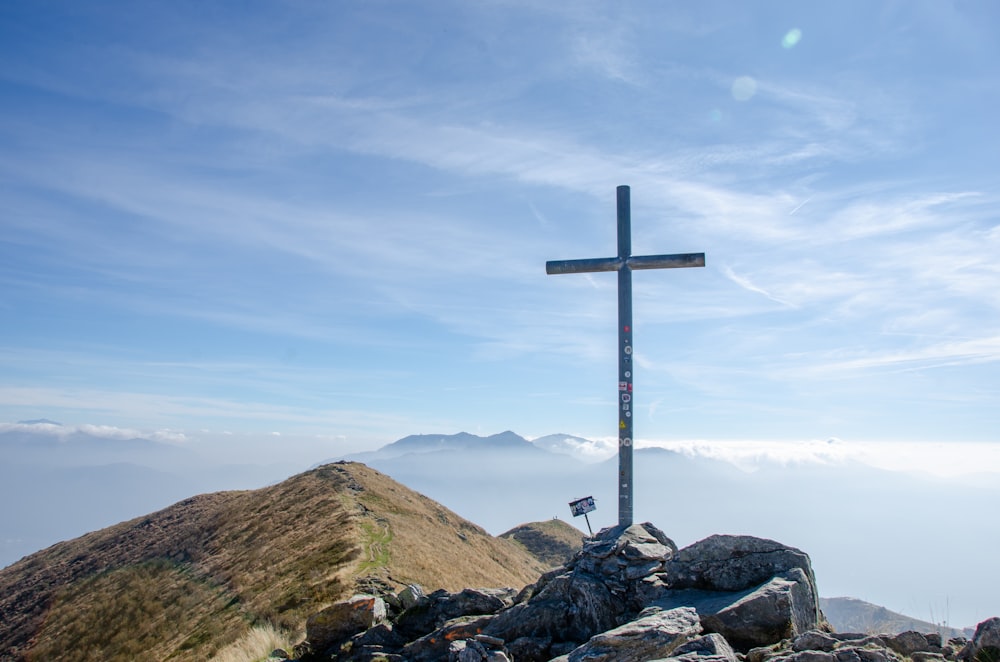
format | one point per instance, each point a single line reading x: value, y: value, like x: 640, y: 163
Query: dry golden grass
x: 128, y: 614
x: 552, y: 542
x: 191, y: 580
x: 433, y: 546
x: 256, y: 645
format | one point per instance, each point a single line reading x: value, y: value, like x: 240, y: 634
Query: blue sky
x: 329, y: 220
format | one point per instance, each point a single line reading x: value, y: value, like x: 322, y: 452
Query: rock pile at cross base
x: 629, y: 596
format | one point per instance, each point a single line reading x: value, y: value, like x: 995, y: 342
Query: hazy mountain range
x: 886, y: 537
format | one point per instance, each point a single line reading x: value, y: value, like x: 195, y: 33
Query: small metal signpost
x: 582, y: 507
x: 624, y: 263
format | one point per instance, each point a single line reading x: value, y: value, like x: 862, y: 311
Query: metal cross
x: 624, y: 263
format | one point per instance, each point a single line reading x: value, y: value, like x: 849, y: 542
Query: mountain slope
x: 189, y: 579
x: 853, y: 615
x: 552, y: 542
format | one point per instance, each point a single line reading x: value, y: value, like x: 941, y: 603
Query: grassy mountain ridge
x: 187, y: 580
x: 553, y: 541
x: 853, y: 615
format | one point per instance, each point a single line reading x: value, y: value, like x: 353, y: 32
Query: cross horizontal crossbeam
x: 635, y: 262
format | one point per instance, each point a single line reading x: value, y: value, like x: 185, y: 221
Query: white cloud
x: 64, y: 432
x: 941, y: 459
x: 746, y: 284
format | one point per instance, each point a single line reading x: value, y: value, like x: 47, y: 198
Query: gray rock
x: 435, y: 646
x: 530, y: 648
x: 708, y: 648
x: 614, y: 549
x: 487, y: 640
x: 783, y: 607
x: 571, y: 607
x: 733, y: 563
x: 907, y: 643
x: 342, y: 620
x: 873, y: 651
x: 814, y: 640
x: 764, y: 653
x: 807, y: 656
x: 985, y: 643
x: 868, y: 654
x: 646, y: 638
x: 476, y: 649
x: 410, y: 595
x: 924, y: 656
x: 431, y: 612
x: 382, y: 635
x: 471, y: 601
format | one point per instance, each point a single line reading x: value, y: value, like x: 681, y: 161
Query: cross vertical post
x: 625, y: 484
x: 624, y: 263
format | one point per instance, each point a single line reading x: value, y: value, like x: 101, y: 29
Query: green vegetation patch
x: 376, y: 536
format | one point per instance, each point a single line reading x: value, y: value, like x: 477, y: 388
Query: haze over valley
x: 860, y: 523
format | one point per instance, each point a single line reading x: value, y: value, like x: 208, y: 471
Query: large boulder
x: 435, y: 646
x: 985, y: 644
x: 782, y: 607
x: 733, y: 563
x: 428, y: 613
x: 571, y: 607
x: 753, y: 591
x: 342, y: 620
x: 779, y: 609
x: 620, y: 556
x: 654, y: 635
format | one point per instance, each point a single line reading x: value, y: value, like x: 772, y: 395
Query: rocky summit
x: 629, y: 595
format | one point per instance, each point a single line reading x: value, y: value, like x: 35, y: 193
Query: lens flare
x: 743, y: 88
x: 791, y: 38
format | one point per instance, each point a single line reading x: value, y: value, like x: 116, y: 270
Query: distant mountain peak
x: 426, y: 443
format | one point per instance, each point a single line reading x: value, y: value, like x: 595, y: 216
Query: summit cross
x: 624, y: 263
